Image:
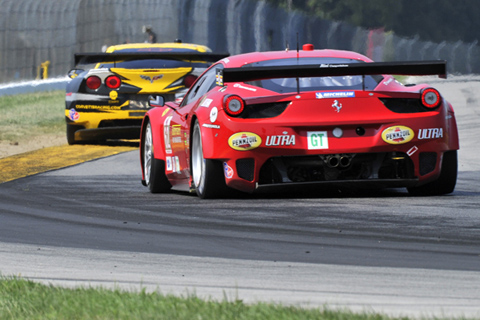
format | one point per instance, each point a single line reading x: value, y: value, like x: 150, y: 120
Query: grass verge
x: 24, y: 116
x: 24, y: 299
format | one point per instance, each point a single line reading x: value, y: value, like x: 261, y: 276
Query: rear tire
x: 445, y: 183
x: 153, y: 169
x: 208, y: 176
x: 71, y: 129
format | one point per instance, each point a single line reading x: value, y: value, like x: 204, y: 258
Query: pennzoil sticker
x: 244, y: 141
x: 397, y: 135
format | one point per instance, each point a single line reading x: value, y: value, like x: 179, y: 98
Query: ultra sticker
x: 335, y: 94
x: 280, y: 140
x: 397, y: 135
x: 431, y: 133
x: 244, y: 141
x: 317, y: 140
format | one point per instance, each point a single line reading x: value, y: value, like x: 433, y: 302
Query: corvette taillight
x: 431, y: 98
x: 233, y: 105
x: 93, y: 82
x: 113, y: 82
x: 189, y: 80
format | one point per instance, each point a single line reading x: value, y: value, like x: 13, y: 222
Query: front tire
x: 153, y: 169
x: 208, y: 177
x: 445, y: 183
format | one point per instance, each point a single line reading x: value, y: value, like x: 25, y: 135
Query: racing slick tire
x: 445, y: 183
x: 208, y: 177
x: 71, y: 129
x: 153, y: 169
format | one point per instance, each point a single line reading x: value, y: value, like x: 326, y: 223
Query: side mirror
x: 156, y: 101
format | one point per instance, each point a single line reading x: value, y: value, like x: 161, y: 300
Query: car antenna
x: 298, y: 60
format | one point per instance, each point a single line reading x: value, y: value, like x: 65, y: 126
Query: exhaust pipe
x: 335, y: 161
x: 345, y: 161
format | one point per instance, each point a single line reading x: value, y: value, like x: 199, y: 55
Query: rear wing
x: 92, y: 57
x: 411, y: 68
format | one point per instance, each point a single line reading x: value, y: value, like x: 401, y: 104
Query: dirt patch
x: 8, y: 148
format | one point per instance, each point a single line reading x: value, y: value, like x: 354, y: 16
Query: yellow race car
x: 107, y: 95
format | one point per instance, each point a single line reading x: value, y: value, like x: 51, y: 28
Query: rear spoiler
x: 411, y: 68
x: 92, y: 57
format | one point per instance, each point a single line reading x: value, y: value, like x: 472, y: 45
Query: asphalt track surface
x: 95, y: 224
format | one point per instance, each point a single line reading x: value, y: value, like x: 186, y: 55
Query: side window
x: 205, y: 84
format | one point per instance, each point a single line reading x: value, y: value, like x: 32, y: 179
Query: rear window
x: 287, y: 85
x: 148, y: 63
x: 153, y: 64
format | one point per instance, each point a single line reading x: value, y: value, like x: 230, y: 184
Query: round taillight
x: 189, y: 80
x: 431, y: 98
x: 93, y: 82
x: 113, y: 82
x: 233, y: 105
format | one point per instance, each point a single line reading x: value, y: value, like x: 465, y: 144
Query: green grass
x: 26, y: 115
x: 23, y: 299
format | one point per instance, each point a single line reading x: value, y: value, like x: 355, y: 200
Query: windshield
x: 287, y: 85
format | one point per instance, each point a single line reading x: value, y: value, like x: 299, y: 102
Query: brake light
x: 233, y: 105
x: 93, y: 82
x: 189, y: 80
x: 431, y: 98
x: 113, y: 82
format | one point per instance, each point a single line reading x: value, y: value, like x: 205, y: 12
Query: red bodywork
x: 375, y: 144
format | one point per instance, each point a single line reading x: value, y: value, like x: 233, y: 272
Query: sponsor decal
x: 388, y: 81
x: 280, y: 140
x: 113, y: 95
x: 412, y: 150
x: 213, y: 114
x: 176, y: 130
x: 219, y: 78
x: 73, y: 115
x: 165, y: 112
x: 243, y: 141
x: 228, y: 171
x: 177, y: 165
x: 337, y: 106
x: 169, y: 163
x: 238, y: 85
x: 397, y: 135
x: 211, y: 126
x: 206, y: 102
x: 176, y: 133
x: 157, y: 77
x: 326, y: 65
x: 335, y: 94
x: 430, y: 133
x: 166, y: 134
x: 91, y: 107
x: 317, y: 140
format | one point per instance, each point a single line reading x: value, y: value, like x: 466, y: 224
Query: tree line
x: 431, y: 20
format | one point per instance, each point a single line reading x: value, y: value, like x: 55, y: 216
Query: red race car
x: 266, y: 120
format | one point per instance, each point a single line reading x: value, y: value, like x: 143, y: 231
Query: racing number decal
x: 317, y: 140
